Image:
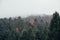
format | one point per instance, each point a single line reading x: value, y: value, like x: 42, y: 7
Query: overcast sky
x: 28, y: 7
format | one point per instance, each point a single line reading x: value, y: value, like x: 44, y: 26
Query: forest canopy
x: 31, y: 28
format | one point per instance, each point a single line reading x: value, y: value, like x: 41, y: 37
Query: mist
x: 23, y: 8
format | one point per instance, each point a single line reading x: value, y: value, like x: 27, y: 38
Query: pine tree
x: 30, y: 34
x: 58, y: 31
x: 37, y: 36
x: 24, y: 36
x: 53, y: 27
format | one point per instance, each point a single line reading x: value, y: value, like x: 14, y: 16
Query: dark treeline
x: 30, y: 28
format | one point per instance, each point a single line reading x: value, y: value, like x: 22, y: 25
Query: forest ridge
x: 31, y: 28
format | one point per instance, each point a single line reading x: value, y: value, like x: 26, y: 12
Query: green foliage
x: 54, y: 25
x: 21, y: 29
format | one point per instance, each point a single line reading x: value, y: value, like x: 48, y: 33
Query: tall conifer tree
x: 53, y: 27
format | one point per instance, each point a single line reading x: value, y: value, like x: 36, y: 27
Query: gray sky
x: 28, y: 7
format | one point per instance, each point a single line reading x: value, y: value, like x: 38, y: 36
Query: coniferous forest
x: 31, y: 28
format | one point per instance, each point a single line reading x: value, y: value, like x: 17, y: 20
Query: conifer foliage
x: 54, y: 27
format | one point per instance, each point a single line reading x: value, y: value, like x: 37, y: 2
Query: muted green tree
x: 53, y: 27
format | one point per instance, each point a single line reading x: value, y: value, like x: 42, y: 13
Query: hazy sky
x: 28, y: 7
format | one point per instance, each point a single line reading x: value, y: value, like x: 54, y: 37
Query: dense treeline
x: 30, y: 29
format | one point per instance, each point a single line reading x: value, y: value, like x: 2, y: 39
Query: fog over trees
x: 31, y: 28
